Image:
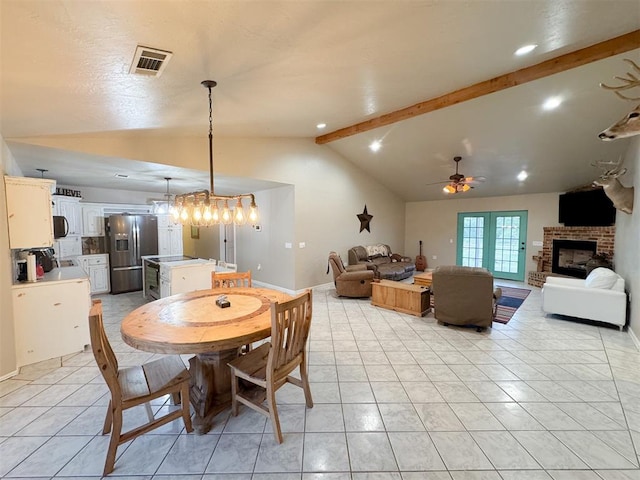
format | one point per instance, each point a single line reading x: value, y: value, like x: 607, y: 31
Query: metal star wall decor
x: 365, y: 220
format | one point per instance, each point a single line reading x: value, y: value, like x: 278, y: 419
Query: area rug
x: 509, y: 302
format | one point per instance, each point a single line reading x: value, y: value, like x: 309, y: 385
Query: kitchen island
x: 51, y: 315
x: 166, y: 275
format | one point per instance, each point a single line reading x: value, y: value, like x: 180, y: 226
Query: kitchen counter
x: 50, y: 315
x: 63, y: 274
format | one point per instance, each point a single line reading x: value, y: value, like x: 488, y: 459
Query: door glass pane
x: 472, y: 242
x: 507, y: 244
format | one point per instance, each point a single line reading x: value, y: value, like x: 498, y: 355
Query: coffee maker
x: 22, y: 270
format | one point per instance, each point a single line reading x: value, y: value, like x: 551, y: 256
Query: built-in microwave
x: 60, y: 226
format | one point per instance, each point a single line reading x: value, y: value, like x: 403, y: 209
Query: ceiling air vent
x: 149, y: 61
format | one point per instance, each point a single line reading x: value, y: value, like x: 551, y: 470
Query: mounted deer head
x: 629, y: 125
x: 621, y: 196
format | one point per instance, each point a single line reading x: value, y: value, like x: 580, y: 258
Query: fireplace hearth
x: 570, y: 257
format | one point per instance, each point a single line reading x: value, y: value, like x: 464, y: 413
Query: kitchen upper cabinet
x: 92, y: 220
x: 29, y: 212
x: 169, y: 236
x: 69, y: 207
x: 50, y: 319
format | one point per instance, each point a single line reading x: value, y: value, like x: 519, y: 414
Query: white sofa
x: 600, y: 297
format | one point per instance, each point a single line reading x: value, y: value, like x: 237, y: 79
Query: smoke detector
x: 149, y: 61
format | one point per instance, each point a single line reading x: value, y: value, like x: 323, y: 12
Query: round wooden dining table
x: 192, y: 323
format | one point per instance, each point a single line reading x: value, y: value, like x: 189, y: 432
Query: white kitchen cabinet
x: 68, y: 247
x: 97, y: 269
x: 92, y: 220
x: 29, y: 212
x: 169, y: 236
x: 69, y: 207
x: 50, y: 319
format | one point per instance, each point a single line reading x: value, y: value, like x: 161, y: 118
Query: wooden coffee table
x: 402, y: 297
x: 423, y: 279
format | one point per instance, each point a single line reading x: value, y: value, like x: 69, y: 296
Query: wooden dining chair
x: 268, y: 367
x: 132, y: 386
x: 230, y: 279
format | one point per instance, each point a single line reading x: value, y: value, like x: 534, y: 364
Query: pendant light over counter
x: 204, y: 208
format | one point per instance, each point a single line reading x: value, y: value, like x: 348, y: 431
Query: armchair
x: 354, y: 281
x: 600, y: 297
x: 464, y: 296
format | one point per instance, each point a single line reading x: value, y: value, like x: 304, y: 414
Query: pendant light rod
x: 209, y: 84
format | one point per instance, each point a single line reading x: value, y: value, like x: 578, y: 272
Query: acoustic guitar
x: 421, y: 260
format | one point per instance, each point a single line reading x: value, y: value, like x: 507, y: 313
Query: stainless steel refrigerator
x: 129, y: 237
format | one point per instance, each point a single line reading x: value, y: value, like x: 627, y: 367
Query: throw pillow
x: 377, y: 250
x: 601, y: 278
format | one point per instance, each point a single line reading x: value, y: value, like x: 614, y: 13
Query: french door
x: 495, y: 241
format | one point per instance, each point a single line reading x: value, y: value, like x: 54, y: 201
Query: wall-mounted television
x: 589, y: 208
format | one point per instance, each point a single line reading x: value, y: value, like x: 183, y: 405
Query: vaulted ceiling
x: 283, y: 67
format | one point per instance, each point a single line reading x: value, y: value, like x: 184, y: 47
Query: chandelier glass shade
x: 456, y: 187
x: 204, y: 208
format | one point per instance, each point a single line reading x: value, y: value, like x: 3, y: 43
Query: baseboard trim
x: 257, y: 283
x: 9, y: 375
x: 634, y: 337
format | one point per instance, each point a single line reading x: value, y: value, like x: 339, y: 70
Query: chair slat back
x: 230, y: 279
x: 102, y: 351
x: 290, y: 324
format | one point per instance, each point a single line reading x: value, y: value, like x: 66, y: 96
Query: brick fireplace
x: 580, y: 239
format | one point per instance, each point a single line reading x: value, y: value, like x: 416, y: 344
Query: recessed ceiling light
x: 121, y: 175
x: 525, y: 49
x: 522, y: 176
x: 551, y: 103
x: 320, y: 126
x: 375, y: 145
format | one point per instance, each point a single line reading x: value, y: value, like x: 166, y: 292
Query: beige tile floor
x: 396, y: 397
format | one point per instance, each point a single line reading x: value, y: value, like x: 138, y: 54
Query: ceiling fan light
x: 449, y: 189
x: 465, y: 188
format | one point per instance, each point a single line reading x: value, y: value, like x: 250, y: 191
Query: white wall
x: 435, y: 223
x: 265, y: 247
x: 329, y: 190
x: 627, y: 249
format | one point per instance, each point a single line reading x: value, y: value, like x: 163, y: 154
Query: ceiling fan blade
x: 438, y: 183
x: 473, y: 180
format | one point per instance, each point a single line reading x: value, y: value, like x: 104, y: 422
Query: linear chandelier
x: 204, y: 208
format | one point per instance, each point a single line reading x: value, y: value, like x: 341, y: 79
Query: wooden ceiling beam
x: 599, y: 51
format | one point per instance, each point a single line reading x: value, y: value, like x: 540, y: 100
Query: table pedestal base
x: 210, y: 388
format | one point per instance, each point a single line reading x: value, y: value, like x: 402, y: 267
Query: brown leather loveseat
x: 386, y: 265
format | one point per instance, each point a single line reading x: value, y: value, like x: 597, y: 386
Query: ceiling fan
x: 458, y: 182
